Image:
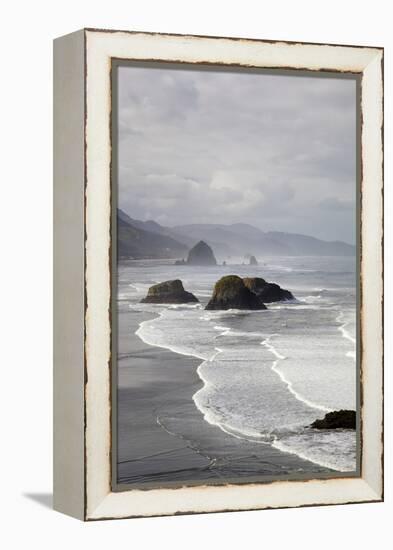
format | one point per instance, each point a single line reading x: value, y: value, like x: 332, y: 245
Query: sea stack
x: 201, y: 254
x: 230, y: 292
x: 169, y: 292
x: 335, y: 420
x: 253, y: 260
x: 268, y: 292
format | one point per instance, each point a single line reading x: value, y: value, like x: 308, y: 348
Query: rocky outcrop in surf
x: 230, y: 292
x: 169, y: 292
x: 201, y: 254
x: 268, y: 292
x: 344, y: 419
x: 253, y: 260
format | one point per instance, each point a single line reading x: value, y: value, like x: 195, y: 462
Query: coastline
x: 163, y: 437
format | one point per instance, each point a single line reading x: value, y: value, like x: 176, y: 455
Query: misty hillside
x: 235, y: 240
x: 310, y: 246
x: 155, y: 227
x: 148, y: 239
x: 241, y: 239
x: 135, y: 242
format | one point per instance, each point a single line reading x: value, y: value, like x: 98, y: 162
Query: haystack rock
x: 169, y: 292
x: 268, y: 292
x: 334, y: 420
x: 201, y: 254
x: 253, y: 260
x: 230, y: 292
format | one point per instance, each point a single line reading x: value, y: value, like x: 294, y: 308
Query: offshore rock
x: 169, y: 292
x: 268, y: 292
x: 253, y: 260
x: 230, y: 292
x: 334, y: 420
x: 201, y: 254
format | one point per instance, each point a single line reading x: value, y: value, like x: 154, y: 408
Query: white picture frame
x: 82, y: 334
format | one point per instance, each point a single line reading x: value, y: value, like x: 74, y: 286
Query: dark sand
x: 162, y: 437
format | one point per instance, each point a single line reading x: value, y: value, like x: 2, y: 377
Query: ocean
x: 265, y: 375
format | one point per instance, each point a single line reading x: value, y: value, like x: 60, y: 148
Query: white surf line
x: 206, y: 383
x: 277, y: 444
x: 225, y: 332
x: 341, y: 328
x: 346, y: 334
x: 164, y: 346
x: 237, y: 434
x: 266, y: 343
x: 207, y: 415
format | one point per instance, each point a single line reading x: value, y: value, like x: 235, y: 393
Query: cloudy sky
x: 274, y: 151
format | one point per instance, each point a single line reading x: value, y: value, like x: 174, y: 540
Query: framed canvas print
x: 218, y: 274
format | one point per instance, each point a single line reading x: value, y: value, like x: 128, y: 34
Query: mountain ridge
x: 150, y: 239
x: 135, y: 242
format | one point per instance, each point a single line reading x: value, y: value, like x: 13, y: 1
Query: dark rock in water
x: 224, y: 263
x: 274, y: 293
x: 268, y: 292
x: 253, y: 260
x: 169, y: 292
x: 343, y: 419
x: 230, y: 292
x: 201, y: 254
x: 180, y: 262
x: 255, y: 284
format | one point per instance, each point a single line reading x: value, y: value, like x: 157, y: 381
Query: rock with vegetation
x: 230, y: 292
x: 334, y: 420
x: 169, y: 292
x: 201, y: 254
x: 268, y: 292
x: 253, y: 260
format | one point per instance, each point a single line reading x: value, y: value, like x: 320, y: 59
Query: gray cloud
x: 225, y: 147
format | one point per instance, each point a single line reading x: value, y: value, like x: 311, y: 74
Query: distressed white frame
x: 100, y: 48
